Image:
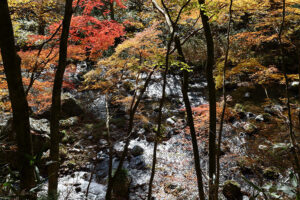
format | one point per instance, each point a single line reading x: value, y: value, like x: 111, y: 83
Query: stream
x: 175, y: 176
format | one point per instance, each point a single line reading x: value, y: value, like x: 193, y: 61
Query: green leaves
x: 182, y: 65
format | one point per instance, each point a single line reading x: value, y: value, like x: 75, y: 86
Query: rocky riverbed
x: 247, y: 150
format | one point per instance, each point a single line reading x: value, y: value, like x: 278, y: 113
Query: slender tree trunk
x: 224, y: 104
x: 133, y: 109
x: 21, y: 125
x: 110, y: 164
x: 212, y: 99
x: 159, y: 120
x: 190, y: 120
x: 112, y: 10
x: 56, y: 102
x: 298, y: 52
x: 295, y: 148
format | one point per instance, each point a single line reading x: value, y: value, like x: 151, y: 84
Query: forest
x: 149, y: 100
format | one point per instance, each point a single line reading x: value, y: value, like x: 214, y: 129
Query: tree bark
x: 21, y: 124
x: 224, y: 105
x: 159, y: 120
x: 190, y: 120
x: 133, y: 108
x: 56, y: 102
x: 295, y: 148
x: 212, y: 98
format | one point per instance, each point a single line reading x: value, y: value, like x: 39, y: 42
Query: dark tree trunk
x: 298, y: 53
x: 190, y: 120
x: 212, y: 99
x: 159, y: 120
x: 112, y: 10
x: 12, y: 69
x: 295, y: 148
x: 56, y: 102
x: 224, y: 105
x: 41, y: 27
x: 133, y: 108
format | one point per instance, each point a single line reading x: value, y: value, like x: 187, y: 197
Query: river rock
x: 150, y: 137
x: 40, y: 130
x: 232, y: 190
x: 70, y: 107
x: 6, y: 130
x: 259, y: 118
x: 137, y: 151
x: 273, y: 110
x: 294, y: 86
x: 137, y: 163
x: 271, y: 173
x: 66, y: 123
x: 41, y: 135
x: 250, y: 128
x: 121, y: 188
x: 171, y: 121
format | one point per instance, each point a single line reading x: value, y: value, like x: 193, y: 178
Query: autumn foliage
x: 89, y: 37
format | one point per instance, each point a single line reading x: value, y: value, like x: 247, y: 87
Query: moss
x: 232, y: 190
x: 271, y: 173
x: 238, y: 107
x: 63, y: 152
x: 121, y: 189
x: 119, y: 122
x: 232, y: 182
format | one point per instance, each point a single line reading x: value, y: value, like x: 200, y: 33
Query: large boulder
x: 121, y: 188
x: 232, y: 190
x: 250, y: 129
x: 138, y: 163
x: 137, y: 151
x: 66, y: 123
x: 271, y: 173
x: 40, y: 132
x: 70, y: 107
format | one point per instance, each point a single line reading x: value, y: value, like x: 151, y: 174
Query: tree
x: 21, y: 125
x: 132, y: 58
x: 216, y: 197
x: 56, y: 102
x: 295, y: 149
x: 212, y: 97
x: 173, y: 29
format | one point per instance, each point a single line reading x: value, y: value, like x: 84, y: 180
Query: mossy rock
x: 250, y: 128
x: 232, y: 190
x: 239, y: 108
x: 119, y: 122
x: 244, y: 165
x: 267, y: 117
x: 66, y: 123
x: 271, y: 173
x: 67, y: 137
x: 63, y: 152
x: 121, y: 186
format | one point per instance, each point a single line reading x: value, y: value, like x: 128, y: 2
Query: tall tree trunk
x: 212, y: 98
x: 21, y: 125
x: 133, y: 108
x: 112, y: 10
x: 109, y: 142
x: 224, y: 105
x: 56, y: 102
x: 190, y: 120
x: 298, y: 53
x: 295, y: 148
x: 159, y: 120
